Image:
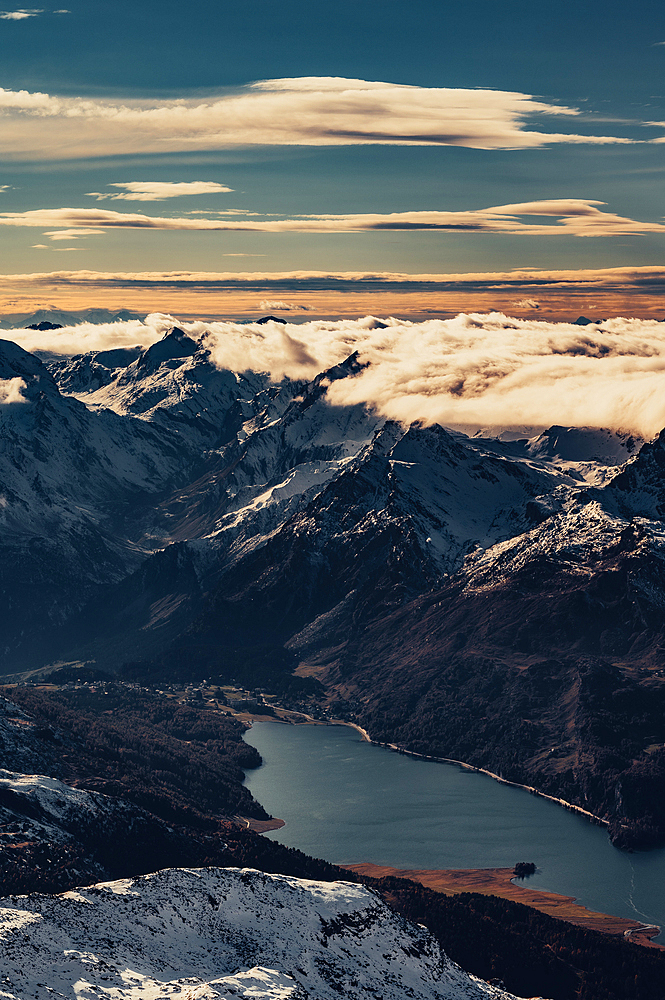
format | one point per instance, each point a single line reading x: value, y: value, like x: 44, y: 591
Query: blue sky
x: 544, y: 114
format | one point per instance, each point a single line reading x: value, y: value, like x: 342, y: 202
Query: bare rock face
x: 222, y: 933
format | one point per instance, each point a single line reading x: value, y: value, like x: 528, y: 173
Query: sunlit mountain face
x: 227, y: 933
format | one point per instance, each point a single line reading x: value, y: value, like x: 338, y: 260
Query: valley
x: 187, y: 547
x: 58, y: 836
x: 496, y: 600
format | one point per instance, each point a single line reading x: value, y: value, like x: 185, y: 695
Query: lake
x: 347, y: 800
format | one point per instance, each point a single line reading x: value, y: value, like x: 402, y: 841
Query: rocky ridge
x: 223, y: 933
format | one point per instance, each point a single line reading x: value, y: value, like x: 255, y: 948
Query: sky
x: 334, y: 159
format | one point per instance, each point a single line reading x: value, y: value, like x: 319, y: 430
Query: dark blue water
x: 346, y: 800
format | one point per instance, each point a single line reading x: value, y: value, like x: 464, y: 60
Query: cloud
x: 556, y: 217
x: 159, y: 190
x: 562, y: 294
x: 19, y: 15
x: 527, y: 304
x: 11, y: 391
x: 22, y: 14
x: 583, y: 282
x: 282, y: 306
x: 45, y: 246
x: 478, y: 371
x: 309, y: 111
x: 73, y: 234
x: 84, y: 337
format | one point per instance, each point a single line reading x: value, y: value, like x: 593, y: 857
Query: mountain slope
x: 72, y: 482
x: 222, y: 933
x: 392, y: 523
x: 541, y: 661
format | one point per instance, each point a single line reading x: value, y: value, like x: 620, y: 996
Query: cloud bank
x: 473, y: 371
x: 561, y: 294
x: 582, y: 282
x: 84, y: 337
x: 309, y: 111
x: 556, y: 217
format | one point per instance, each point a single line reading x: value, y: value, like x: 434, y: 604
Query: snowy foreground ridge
x: 221, y: 933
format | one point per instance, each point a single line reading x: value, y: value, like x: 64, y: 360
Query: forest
x: 181, y: 767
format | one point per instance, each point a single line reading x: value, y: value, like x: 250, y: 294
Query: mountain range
x: 492, y: 597
x: 60, y: 317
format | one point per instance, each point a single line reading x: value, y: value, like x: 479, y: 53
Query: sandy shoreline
x: 260, y: 825
x: 498, y: 882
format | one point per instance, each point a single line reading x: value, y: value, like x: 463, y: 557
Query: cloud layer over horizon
x: 567, y: 217
x: 560, y: 295
x: 309, y: 111
x: 476, y: 370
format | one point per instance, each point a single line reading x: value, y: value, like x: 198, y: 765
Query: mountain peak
x: 44, y: 325
x: 269, y: 319
x: 14, y: 361
x: 174, y: 345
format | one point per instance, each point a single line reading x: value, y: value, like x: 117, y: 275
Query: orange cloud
x: 561, y: 294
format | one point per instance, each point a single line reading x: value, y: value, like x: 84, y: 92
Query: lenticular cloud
x: 474, y: 371
x: 309, y: 111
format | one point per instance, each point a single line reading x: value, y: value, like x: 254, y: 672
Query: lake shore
x: 570, y: 806
x: 260, y: 825
x: 301, y: 719
x: 498, y: 882
x: 462, y: 877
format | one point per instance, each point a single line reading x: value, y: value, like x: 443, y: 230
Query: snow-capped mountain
x: 222, y: 933
x: 87, y: 372
x: 71, y: 483
x: 40, y: 808
x: 235, y: 483
x: 159, y: 510
x: 172, y: 384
